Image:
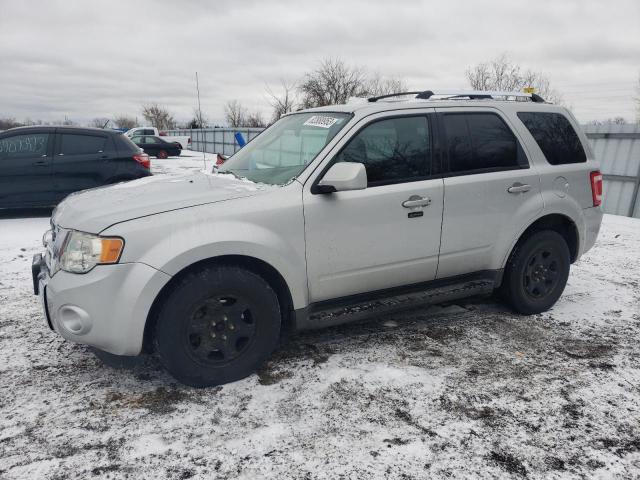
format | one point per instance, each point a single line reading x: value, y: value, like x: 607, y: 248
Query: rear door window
x: 393, y: 151
x: 479, y: 142
x: 73, y: 144
x: 555, y: 136
x: 24, y: 146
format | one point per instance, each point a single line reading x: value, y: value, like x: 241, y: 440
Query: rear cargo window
x: 555, y: 136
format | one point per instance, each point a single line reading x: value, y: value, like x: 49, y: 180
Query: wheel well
x: 265, y: 270
x: 558, y: 223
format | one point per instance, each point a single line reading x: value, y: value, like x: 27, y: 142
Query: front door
x: 388, y: 234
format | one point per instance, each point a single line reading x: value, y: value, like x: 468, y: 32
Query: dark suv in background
x: 39, y: 166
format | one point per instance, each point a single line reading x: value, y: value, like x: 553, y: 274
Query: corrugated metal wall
x: 216, y: 140
x: 617, y: 147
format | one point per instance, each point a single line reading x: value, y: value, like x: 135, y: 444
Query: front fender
x: 271, y: 231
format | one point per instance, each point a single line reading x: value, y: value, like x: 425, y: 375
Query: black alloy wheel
x: 220, y: 329
x: 217, y: 324
x: 536, y: 272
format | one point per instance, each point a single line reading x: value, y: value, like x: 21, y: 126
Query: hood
x: 96, y: 209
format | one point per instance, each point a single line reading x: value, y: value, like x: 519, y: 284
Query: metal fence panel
x: 617, y: 147
x: 216, y: 140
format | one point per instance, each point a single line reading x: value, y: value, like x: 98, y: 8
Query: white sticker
x: 321, y: 121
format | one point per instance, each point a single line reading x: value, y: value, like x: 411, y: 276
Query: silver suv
x: 329, y: 215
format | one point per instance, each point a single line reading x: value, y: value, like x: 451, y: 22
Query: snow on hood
x: 96, y: 209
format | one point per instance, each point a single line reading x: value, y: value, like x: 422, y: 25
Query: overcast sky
x: 86, y: 59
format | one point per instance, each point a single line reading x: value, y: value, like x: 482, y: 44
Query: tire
x: 217, y: 325
x: 536, y: 272
x: 162, y: 154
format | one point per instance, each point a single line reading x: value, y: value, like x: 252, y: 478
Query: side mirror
x: 343, y: 176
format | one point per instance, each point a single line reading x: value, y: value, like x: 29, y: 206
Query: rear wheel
x: 537, y: 272
x: 217, y: 325
x: 162, y: 154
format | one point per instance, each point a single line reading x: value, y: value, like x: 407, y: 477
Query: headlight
x: 83, y: 251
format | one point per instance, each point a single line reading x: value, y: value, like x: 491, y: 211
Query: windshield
x: 283, y: 150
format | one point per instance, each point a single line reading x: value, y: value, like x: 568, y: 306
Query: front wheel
x: 217, y: 325
x: 163, y: 154
x: 536, y: 272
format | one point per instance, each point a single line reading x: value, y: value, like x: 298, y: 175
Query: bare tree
x: 502, y: 74
x: 125, y: 121
x: 158, y: 116
x: 333, y: 82
x: 378, y: 85
x: 198, y: 120
x: 285, y: 102
x: 255, y: 120
x: 99, y: 122
x: 609, y: 121
x: 235, y: 113
x: 7, y: 123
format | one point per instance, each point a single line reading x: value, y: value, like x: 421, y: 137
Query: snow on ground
x: 188, y: 160
x: 454, y: 391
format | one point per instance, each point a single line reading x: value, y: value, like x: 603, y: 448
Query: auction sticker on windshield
x: 321, y: 121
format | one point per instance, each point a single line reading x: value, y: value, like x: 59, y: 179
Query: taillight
x: 220, y: 159
x: 189, y: 141
x: 142, y: 159
x: 596, y: 188
x: 162, y: 134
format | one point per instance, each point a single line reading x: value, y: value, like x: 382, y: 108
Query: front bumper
x: 106, y: 308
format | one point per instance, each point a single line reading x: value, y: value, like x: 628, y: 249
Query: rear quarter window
x: 555, y: 136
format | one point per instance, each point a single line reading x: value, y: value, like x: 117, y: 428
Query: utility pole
x: 204, y: 155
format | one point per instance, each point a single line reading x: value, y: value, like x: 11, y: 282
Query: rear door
x: 26, y: 169
x: 82, y: 160
x: 491, y: 190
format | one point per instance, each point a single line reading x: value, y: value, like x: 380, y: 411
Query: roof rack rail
x: 400, y: 94
x: 459, y: 94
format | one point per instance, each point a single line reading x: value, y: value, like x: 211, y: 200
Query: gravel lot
x: 453, y: 391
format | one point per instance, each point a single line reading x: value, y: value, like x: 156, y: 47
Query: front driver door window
x: 366, y: 240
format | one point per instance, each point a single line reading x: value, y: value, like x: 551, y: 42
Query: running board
x: 373, y: 304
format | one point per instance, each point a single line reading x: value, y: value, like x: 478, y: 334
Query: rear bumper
x: 592, y: 222
x: 106, y: 308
